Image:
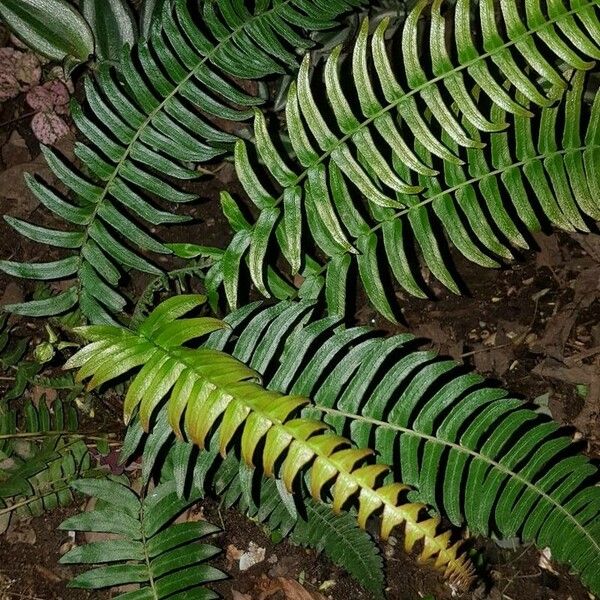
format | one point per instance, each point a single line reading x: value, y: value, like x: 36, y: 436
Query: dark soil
x: 534, y: 326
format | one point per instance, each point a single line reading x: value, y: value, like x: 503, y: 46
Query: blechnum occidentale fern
x: 429, y: 132
x: 165, y: 560
x: 210, y: 393
x: 477, y: 140
x: 476, y: 455
x: 476, y: 119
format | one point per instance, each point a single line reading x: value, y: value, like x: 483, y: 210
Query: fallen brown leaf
x: 294, y: 590
x: 48, y: 574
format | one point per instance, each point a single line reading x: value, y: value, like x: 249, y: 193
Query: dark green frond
x: 212, y: 398
x: 315, y: 526
x: 39, y: 459
x: 406, y: 148
x: 160, y: 112
x: 480, y: 457
x: 162, y: 558
x: 338, y: 536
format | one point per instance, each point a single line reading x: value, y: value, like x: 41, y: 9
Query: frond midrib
x: 140, y: 130
x: 144, y: 541
x: 39, y: 494
x: 462, y: 449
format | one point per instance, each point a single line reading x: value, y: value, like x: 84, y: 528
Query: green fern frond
x: 60, y: 419
x: 142, y: 125
x: 338, y: 536
x: 165, y: 560
x: 482, y: 458
x: 36, y: 477
x: 452, y: 146
x: 11, y: 350
x: 208, y: 390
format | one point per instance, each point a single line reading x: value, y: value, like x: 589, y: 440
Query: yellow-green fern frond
x: 208, y: 393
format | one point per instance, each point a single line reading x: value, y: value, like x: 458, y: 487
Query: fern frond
x: 447, y: 148
x: 36, y: 478
x: 142, y: 124
x: 11, y: 350
x: 207, y: 390
x: 61, y: 418
x: 165, y: 560
x: 482, y: 458
x: 338, y: 536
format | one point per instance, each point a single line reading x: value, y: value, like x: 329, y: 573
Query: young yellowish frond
x: 217, y: 395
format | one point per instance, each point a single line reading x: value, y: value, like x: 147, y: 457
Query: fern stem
x: 144, y: 541
x: 63, y: 433
x: 37, y: 497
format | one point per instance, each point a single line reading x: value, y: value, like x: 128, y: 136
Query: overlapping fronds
x: 211, y: 395
x: 482, y: 458
x: 338, y: 536
x: 435, y: 142
x: 308, y: 523
x: 165, y: 560
x: 38, y: 460
x: 15, y: 424
x: 148, y: 120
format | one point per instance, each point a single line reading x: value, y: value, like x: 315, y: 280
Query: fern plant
x: 38, y: 459
x: 207, y: 390
x: 440, y: 141
x: 337, y: 536
x: 151, y: 118
x: 480, y: 457
x: 166, y: 560
x: 18, y: 371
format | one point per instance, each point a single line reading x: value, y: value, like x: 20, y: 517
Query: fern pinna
x: 149, y: 120
x: 40, y: 455
x: 165, y: 560
x: 266, y: 500
x: 213, y: 395
x: 436, y: 142
x: 480, y: 457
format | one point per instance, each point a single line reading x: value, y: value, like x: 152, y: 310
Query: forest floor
x: 533, y: 326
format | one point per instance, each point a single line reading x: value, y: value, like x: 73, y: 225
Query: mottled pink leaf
x: 7, y: 54
x: 8, y: 60
x: 60, y: 94
x: 28, y: 70
x: 39, y: 98
x: 9, y: 86
x: 57, y: 72
x: 48, y: 127
x: 51, y: 96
